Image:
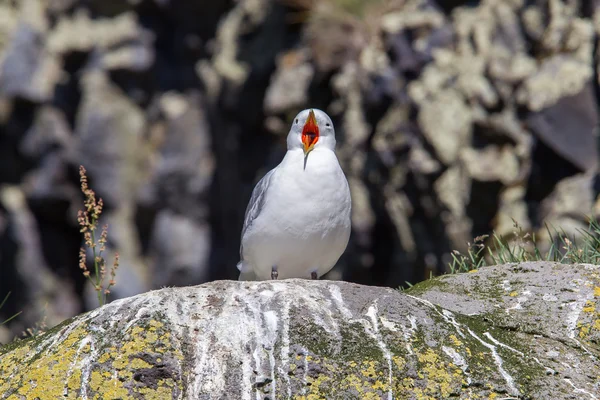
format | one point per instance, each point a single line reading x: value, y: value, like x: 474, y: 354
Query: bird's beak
x: 310, y: 133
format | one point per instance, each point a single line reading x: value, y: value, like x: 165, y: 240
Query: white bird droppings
x: 578, y: 390
x: 576, y: 308
x: 498, y: 360
x: 373, y: 331
x: 458, y: 360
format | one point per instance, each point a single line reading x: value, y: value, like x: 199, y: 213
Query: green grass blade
x: 10, y: 318
x: 5, y: 298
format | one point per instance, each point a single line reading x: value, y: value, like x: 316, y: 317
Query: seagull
x: 297, y: 223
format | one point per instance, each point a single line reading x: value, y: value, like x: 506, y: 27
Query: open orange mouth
x: 310, y: 133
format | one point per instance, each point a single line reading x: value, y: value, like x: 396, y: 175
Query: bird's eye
x: 296, y: 120
x: 327, y: 124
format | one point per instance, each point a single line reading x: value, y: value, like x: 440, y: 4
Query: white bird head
x: 311, y: 129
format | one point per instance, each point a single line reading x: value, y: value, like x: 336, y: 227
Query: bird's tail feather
x: 246, y: 272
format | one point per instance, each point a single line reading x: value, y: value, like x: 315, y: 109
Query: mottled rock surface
x: 453, y: 117
x: 527, y: 331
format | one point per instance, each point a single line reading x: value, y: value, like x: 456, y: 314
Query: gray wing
x: 255, y: 205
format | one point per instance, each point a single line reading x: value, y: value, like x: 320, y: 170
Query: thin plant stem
x: 96, y: 270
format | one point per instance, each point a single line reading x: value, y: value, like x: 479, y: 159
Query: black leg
x: 274, y: 273
x: 313, y: 275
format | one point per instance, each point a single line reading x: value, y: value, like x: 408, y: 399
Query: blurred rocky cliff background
x: 453, y: 118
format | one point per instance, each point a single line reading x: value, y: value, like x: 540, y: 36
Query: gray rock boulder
x: 515, y: 331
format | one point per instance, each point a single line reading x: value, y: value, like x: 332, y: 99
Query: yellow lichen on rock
x: 592, y: 312
x: 441, y: 375
x: 139, y: 351
x: 455, y: 340
x: 75, y: 361
x: 53, y: 367
x: 402, y: 347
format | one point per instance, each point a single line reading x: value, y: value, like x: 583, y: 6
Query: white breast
x: 305, y: 223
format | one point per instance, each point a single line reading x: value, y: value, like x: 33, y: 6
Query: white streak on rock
x: 387, y: 324
x: 498, y: 360
x: 548, y: 370
x: 374, y: 332
x: 304, y: 373
x: 264, y: 332
x: 285, y: 346
x: 271, y: 323
x: 84, y: 342
x: 86, y: 369
x: 408, y: 332
x: 586, y: 350
x: 578, y: 390
x: 201, y: 356
x: 445, y: 314
x: 497, y: 343
x: 257, y: 327
x: 322, y: 308
x: 413, y: 322
x: 576, y: 308
x: 142, y: 310
x: 458, y: 360
x: 449, y: 317
x: 336, y: 295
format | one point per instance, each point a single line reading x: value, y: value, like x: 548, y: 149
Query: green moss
x: 490, y: 289
x: 519, y: 366
x: 38, y: 338
x: 14, y: 344
x: 425, y: 286
x: 314, y: 338
x: 357, y: 345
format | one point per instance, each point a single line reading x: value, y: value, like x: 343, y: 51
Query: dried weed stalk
x: 88, y: 220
